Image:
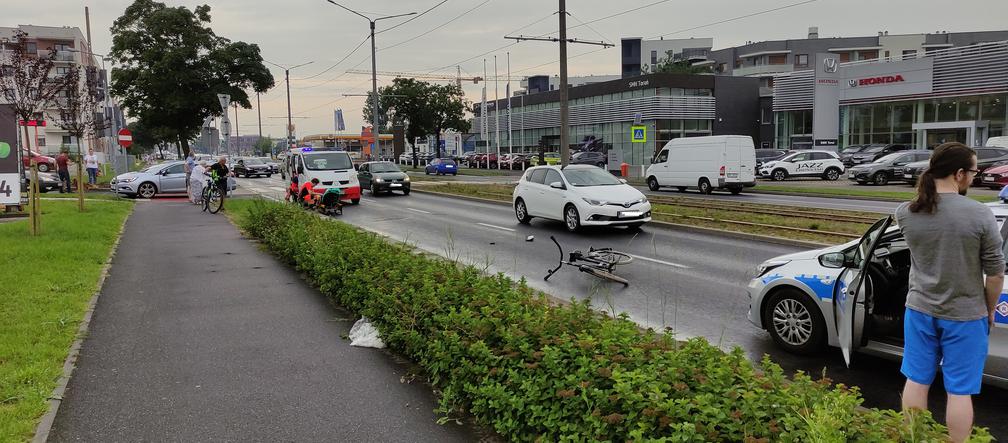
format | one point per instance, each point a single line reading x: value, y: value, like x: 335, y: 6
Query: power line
x: 411, y: 19
x: 366, y: 38
x: 436, y: 27
x: 532, y: 24
x: 736, y: 18
x: 589, y: 27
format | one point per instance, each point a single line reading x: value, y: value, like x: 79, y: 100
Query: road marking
x: 418, y: 210
x: 661, y: 262
x: 496, y: 227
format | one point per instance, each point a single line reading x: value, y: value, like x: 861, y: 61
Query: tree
x: 671, y: 65
x: 171, y: 66
x: 264, y: 147
x: 421, y: 108
x: 26, y: 84
x: 78, y: 114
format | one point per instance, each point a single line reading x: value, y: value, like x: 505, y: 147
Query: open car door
x: 849, y: 292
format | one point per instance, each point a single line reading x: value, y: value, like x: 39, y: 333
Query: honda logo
x: 829, y: 65
x: 852, y: 83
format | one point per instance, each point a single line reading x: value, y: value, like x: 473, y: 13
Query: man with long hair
x: 956, y: 276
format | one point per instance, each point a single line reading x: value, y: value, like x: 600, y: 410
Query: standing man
x: 221, y: 172
x: 190, y: 162
x: 956, y: 275
x: 91, y: 163
x: 63, y: 170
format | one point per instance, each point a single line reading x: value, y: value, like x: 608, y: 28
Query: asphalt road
x: 692, y: 283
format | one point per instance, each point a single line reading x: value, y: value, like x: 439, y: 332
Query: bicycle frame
x: 593, y: 266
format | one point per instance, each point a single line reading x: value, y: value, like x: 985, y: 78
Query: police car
x: 810, y: 299
x: 825, y: 164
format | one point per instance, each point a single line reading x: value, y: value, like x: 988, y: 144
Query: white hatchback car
x: 579, y: 195
x: 810, y: 299
x: 824, y: 164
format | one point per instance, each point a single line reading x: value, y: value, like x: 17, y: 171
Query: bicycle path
x: 198, y: 336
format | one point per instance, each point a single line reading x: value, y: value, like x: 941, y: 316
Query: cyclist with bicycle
x: 219, y: 174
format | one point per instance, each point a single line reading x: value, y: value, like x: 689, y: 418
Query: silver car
x: 832, y: 296
x: 162, y: 178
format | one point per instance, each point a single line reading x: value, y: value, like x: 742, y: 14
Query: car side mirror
x: 557, y: 185
x: 835, y: 260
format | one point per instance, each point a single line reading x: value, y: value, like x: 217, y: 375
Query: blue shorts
x: 959, y: 347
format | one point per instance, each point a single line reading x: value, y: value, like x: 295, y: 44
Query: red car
x: 45, y: 163
x: 995, y: 178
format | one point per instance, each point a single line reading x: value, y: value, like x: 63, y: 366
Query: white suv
x: 579, y: 195
x: 825, y: 164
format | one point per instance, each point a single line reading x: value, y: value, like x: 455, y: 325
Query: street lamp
x: 374, y: 70
x: 290, y: 125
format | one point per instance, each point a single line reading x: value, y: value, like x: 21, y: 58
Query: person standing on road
x: 190, y: 163
x: 91, y: 164
x: 221, y: 173
x: 63, y: 170
x: 954, y: 242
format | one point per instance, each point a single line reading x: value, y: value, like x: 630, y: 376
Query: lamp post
x: 374, y: 69
x: 287, y: 70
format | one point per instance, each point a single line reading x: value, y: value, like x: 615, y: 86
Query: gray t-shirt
x: 950, y: 252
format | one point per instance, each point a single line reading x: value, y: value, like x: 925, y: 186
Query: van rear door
x: 731, y: 158
x: 747, y: 160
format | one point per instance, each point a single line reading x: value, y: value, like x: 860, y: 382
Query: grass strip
x: 851, y: 192
x: 536, y: 371
x: 47, y: 282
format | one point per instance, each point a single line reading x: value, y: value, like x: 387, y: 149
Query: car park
x: 706, y: 163
x: 45, y: 163
x: 517, y: 161
x: 589, y: 158
x: 873, y: 152
x: 579, y: 195
x: 847, y: 153
x: 835, y: 296
x: 987, y: 157
x: 883, y: 170
x: 251, y: 166
x: 441, y: 166
x: 824, y: 164
x: 550, y: 158
x: 383, y: 177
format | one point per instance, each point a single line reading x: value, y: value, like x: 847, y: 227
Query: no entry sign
x: 125, y: 138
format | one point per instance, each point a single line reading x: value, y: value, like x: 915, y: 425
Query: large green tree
x: 171, y: 66
x: 421, y: 108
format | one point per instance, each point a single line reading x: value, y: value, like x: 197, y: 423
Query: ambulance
x: 332, y: 167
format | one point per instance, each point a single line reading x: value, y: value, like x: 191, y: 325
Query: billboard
x: 826, y: 96
x: 10, y: 158
x: 907, y: 77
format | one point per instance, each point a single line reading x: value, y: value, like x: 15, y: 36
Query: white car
x: 825, y: 164
x: 810, y: 299
x: 579, y: 195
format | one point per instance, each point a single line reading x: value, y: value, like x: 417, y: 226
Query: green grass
x: 47, y: 282
x: 851, y: 192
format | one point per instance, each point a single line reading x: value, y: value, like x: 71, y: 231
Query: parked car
x: 517, y: 161
x: 551, y: 158
x: 590, y: 158
x: 874, y: 152
x: 251, y: 166
x: 579, y: 195
x: 825, y: 164
x: 833, y: 296
x: 45, y: 163
x: 706, y: 163
x: 995, y: 177
x: 47, y: 181
x: 383, y: 177
x: 765, y: 155
x: 987, y: 157
x: 274, y: 166
x: 441, y: 166
x: 847, y: 153
x: 467, y: 159
x: 883, y: 170
x: 162, y: 178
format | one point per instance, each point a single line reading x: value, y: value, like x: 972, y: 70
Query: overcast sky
x: 290, y: 32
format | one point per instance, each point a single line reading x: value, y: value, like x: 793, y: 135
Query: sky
x: 459, y: 32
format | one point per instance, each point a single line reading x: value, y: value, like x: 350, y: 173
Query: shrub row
x: 533, y: 370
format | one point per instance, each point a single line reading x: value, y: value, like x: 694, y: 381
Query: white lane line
x: 418, y: 210
x: 661, y: 262
x: 496, y: 227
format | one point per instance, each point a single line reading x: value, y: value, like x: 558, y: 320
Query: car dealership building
x: 925, y: 99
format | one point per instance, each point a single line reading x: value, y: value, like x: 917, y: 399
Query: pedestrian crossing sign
x: 638, y: 134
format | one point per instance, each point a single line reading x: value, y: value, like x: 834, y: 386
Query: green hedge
x: 533, y: 370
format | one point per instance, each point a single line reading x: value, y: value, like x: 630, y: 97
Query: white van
x: 706, y: 163
x: 333, y: 169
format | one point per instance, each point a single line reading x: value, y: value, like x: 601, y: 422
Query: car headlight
x: 406, y: 178
x: 379, y: 180
x: 594, y: 202
x: 768, y: 266
x: 643, y: 199
x: 126, y: 180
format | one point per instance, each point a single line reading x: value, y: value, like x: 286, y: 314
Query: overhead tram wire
x: 589, y: 26
x: 412, y: 18
x: 765, y: 11
x: 355, y: 49
x: 422, y: 34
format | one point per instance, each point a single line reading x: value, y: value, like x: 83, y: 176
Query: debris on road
x: 363, y: 334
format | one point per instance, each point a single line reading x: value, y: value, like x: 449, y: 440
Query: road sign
x: 125, y: 138
x: 638, y: 134
x: 225, y: 101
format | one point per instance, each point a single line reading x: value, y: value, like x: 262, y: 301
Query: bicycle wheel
x: 206, y: 198
x: 601, y: 273
x: 611, y: 257
x: 215, y: 201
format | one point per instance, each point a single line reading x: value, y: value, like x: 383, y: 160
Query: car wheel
x: 43, y: 167
x: 681, y: 188
x: 705, y: 186
x: 778, y: 175
x: 880, y: 179
x: 147, y: 190
x: 374, y: 189
x: 794, y: 322
x: 735, y: 191
x: 426, y: 172
x: 455, y: 174
x: 405, y: 191
x: 521, y: 212
x: 355, y: 201
x: 572, y: 219
x: 832, y: 174
x: 652, y: 183
x: 269, y: 175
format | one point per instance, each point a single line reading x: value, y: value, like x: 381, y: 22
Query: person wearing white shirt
x: 91, y: 163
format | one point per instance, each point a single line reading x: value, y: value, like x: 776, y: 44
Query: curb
x: 56, y: 398
x: 668, y: 225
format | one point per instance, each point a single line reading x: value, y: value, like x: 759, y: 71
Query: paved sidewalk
x: 200, y: 336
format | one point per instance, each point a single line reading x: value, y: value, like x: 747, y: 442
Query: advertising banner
x: 826, y: 97
x: 10, y: 157
x: 892, y: 79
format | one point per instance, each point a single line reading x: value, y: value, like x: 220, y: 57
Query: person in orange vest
x: 309, y: 192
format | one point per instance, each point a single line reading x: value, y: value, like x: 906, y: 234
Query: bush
x: 533, y: 370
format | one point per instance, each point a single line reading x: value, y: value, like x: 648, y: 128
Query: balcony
x: 760, y: 70
x: 64, y: 56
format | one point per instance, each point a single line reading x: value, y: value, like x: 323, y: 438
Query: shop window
x: 801, y: 60
x: 867, y: 55
x: 903, y: 116
x: 881, y: 118
x: 66, y: 140
x: 909, y: 53
x: 906, y: 138
x: 692, y: 125
x: 40, y: 141
x: 881, y: 138
x: 993, y: 108
x: 968, y: 109
x: 947, y: 111
x: 844, y: 57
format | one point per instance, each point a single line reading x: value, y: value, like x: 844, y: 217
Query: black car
x: 383, y: 177
x: 886, y: 169
x: 249, y: 166
x: 274, y: 166
x: 986, y: 158
x: 765, y: 155
x: 47, y: 182
x: 589, y: 158
x: 847, y: 153
x: 873, y: 152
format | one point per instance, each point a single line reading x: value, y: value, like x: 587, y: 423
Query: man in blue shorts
x: 956, y: 275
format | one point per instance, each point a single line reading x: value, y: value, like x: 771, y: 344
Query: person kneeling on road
x: 308, y: 192
x: 292, y: 190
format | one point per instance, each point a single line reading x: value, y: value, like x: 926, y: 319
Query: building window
x: 66, y: 140
x: 801, y: 60
x: 867, y: 55
x: 778, y: 59
x: 31, y: 48
x: 62, y: 70
x: 766, y: 116
x: 909, y: 53
x: 844, y: 57
x: 40, y: 141
x: 723, y: 67
x: 654, y: 57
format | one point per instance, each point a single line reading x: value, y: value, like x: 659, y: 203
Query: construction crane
x: 427, y: 76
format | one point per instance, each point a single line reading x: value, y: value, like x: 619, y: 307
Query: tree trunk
x: 33, y: 210
x: 437, y: 141
x: 80, y: 176
x: 184, y: 143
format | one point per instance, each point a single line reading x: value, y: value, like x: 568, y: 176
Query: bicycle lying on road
x: 598, y: 262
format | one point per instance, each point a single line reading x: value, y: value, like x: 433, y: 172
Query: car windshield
x: 873, y: 149
x: 384, y: 167
x: 328, y: 161
x: 889, y: 158
x: 590, y: 177
x: 253, y: 161
x: 266, y: 159
x: 852, y: 149
x: 791, y: 156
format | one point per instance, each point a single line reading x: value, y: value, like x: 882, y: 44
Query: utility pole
x: 290, y: 124
x: 236, y: 139
x: 564, y: 108
x: 496, y: 114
